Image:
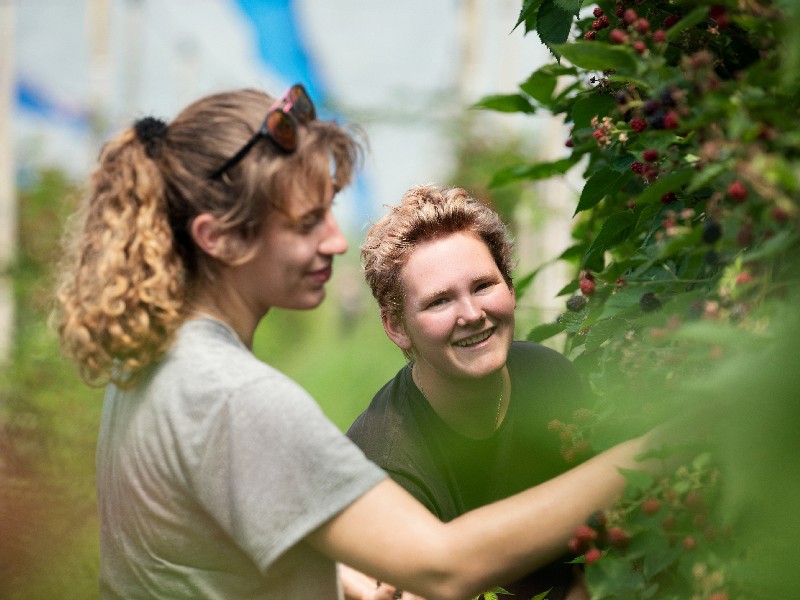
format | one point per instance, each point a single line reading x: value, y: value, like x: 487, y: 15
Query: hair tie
x: 151, y: 132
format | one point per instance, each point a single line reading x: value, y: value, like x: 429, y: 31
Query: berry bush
x: 684, y: 120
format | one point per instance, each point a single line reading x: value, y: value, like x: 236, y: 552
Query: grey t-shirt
x: 212, y: 471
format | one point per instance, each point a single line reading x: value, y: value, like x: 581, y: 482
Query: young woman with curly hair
x: 218, y: 476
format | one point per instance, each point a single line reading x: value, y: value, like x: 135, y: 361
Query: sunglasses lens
x: 282, y: 130
x: 302, y: 106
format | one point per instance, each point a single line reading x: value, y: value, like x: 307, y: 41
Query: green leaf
x: 528, y: 15
x: 662, y: 185
x: 588, y: 107
x: 604, y: 330
x: 505, y: 103
x: 545, y: 331
x: 638, y: 481
x: 660, y: 555
x: 542, y: 596
x: 594, y: 56
x: 533, y: 172
x: 615, y: 230
x: 554, y: 21
x: 599, y: 185
x: 540, y: 86
x: 698, y: 15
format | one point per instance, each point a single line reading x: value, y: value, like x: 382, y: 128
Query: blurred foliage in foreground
x: 685, y: 119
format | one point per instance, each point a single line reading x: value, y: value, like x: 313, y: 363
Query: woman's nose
x: 470, y: 312
x: 333, y: 241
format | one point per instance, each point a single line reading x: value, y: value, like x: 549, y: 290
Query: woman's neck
x: 474, y: 408
x: 227, y: 311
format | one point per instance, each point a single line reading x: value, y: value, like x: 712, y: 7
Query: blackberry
x: 576, y: 303
x: 649, y: 302
x: 712, y: 232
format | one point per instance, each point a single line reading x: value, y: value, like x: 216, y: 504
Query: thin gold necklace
x: 499, y: 400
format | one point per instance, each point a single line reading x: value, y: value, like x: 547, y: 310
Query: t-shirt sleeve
x: 273, y: 468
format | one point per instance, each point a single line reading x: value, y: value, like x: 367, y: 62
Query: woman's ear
x: 395, y: 330
x: 206, y: 234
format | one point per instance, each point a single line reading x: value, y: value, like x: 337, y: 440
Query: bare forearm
x: 493, y: 544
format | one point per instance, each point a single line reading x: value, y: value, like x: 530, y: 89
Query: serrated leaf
x: 554, y: 21
x: 544, y: 332
x: 528, y: 15
x: 599, y: 185
x: 597, y: 57
x: 604, y: 330
x: 615, y: 230
x: 507, y: 103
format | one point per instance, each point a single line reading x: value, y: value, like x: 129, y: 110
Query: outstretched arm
x: 389, y: 535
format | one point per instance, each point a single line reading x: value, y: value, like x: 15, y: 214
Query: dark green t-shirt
x: 452, y: 474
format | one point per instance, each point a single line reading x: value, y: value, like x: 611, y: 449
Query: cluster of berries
x: 628, y: 27
x: 588, y: 286
x: 593, y: 539
x: 573, y: 436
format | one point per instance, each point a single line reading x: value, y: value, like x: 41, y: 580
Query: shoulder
x: 545, y: 372
x: 524, y: 354
x: 382, y: 417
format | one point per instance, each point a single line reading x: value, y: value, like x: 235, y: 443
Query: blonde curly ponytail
x: 121, y: 294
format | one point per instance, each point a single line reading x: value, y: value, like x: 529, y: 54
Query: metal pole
x: 8, y: 200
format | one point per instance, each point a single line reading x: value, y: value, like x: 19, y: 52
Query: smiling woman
x: 465, y: 422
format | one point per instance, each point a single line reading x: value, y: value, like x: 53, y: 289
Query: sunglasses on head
x: 280, y: 126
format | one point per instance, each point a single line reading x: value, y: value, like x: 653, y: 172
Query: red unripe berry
x: 689, y: 543
x: 585, y: 533
x: 670, y: 21
x: 637, y: 167
x: 671, y: 120
x: 619, y: 11
x: 638, y: 125
x: 743, y: 278
x: 642, y: 26
x: 723, y: 22
x: 618, y: 537
x: 650, y: 155
x: 599, y: 134
x: 668, y: 198
x: 695, y: 500
x: 597, y: 12
x: 629, y: 16
x: 587, y: 287
x: 617, y: 36
x: 592, y: 556
x: 659, y: 36
x: 716, y: 10
x: 569, y: 143
x: 590, y: 35
x: 640, y: 46
x: 669, y: 522
x: 604, y: 21
x: 737, y: 191
x: 651, y: 506
x: 745, y: 235
x: 718, y: 596
x: 576, y: 546
x: 779, y: 215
